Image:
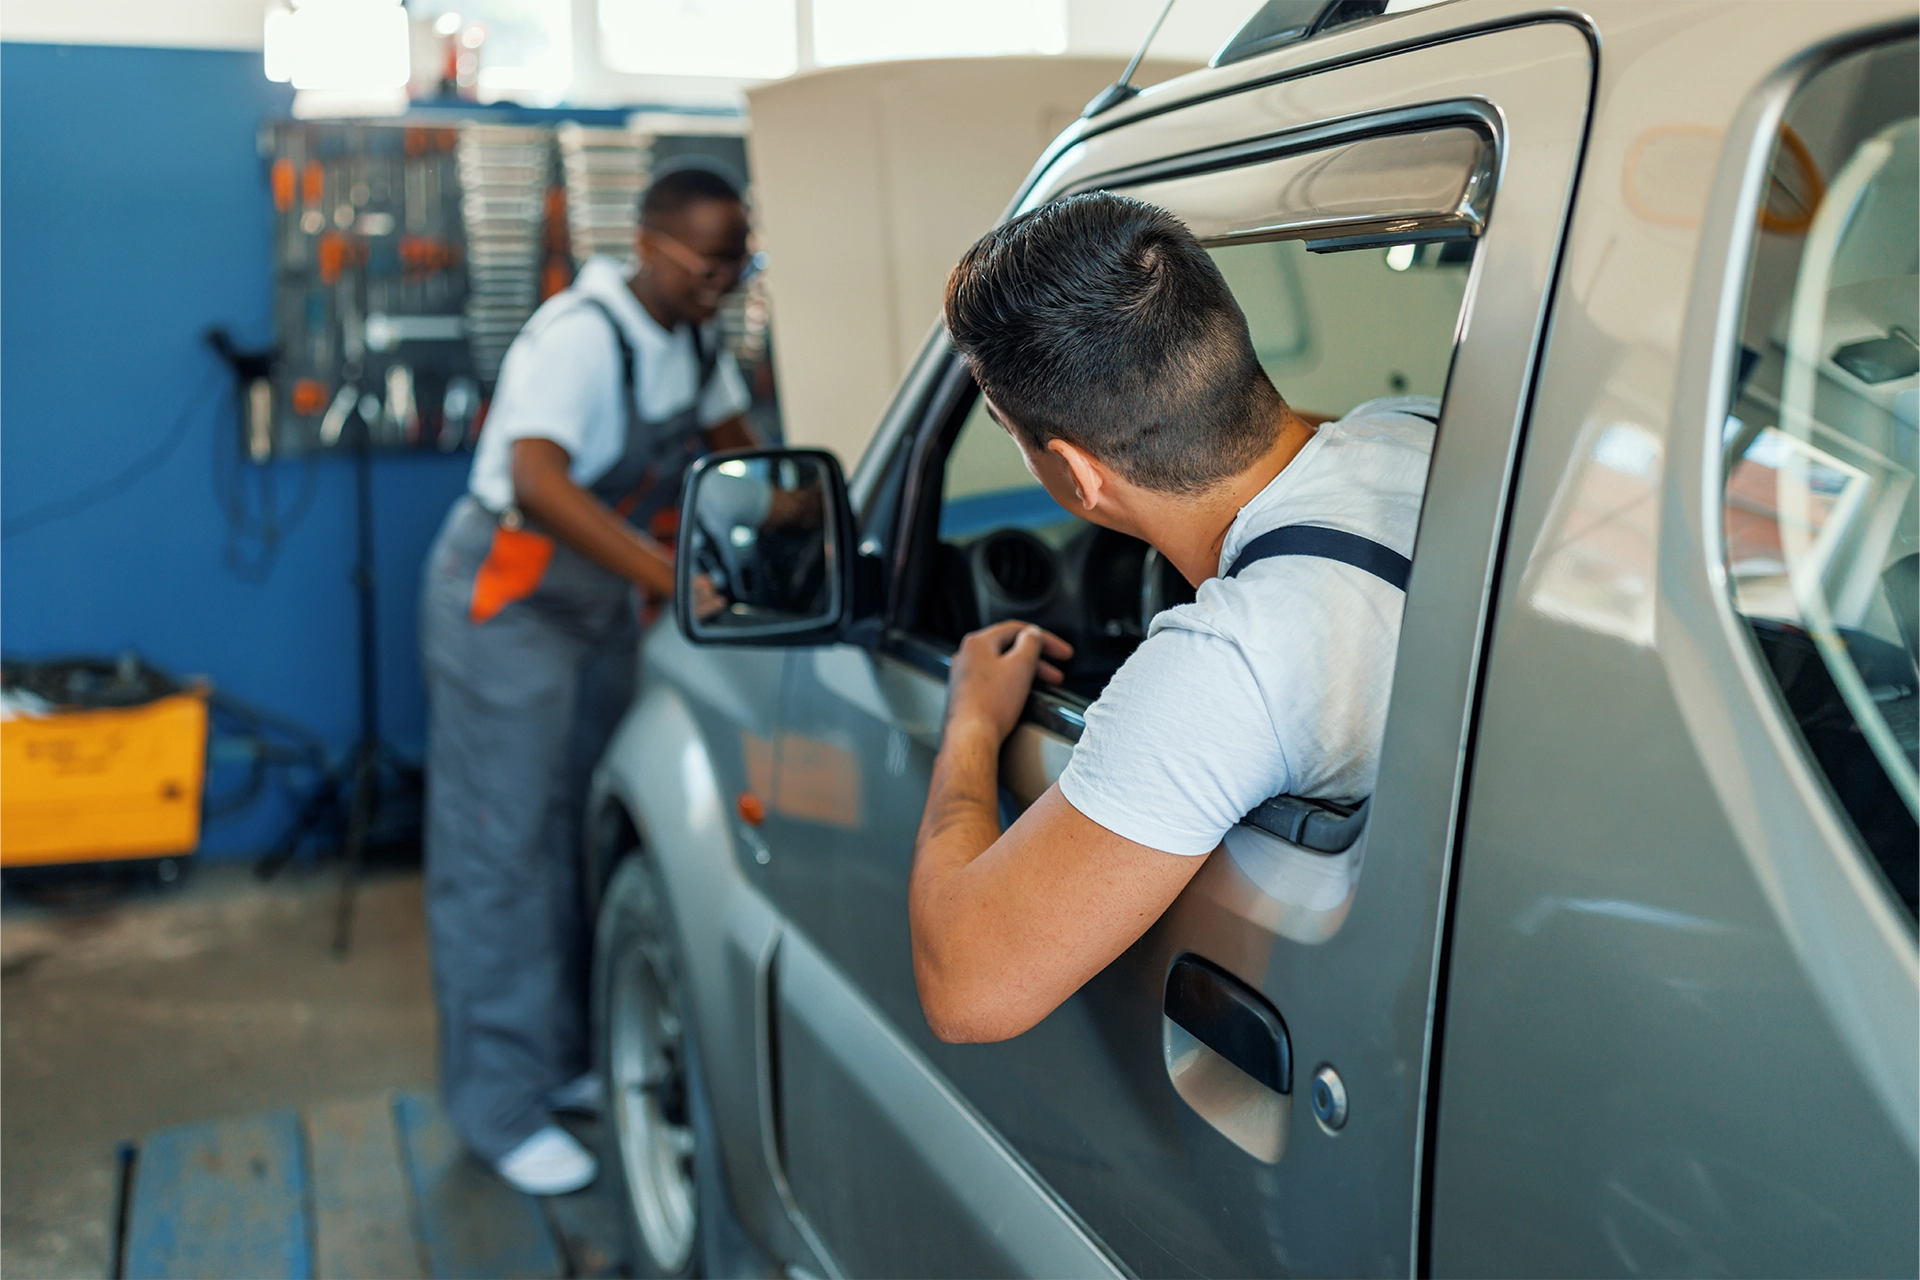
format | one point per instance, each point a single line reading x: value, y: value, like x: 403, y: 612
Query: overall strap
x: 707, y: 360
x: 619, y: 336
x: 1382, y: 562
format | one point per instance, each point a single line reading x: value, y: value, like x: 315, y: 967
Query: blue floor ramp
x: 379, y: 1187
x: 225, y: 1199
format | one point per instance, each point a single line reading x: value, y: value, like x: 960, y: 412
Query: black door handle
x: 1232, y: 1019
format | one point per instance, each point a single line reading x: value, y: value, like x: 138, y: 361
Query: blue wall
x: 134, y: 214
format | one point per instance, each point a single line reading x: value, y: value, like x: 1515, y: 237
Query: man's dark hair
x: 682, y: 183
x: 1099, y: 320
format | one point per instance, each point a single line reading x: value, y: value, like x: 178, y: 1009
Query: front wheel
x: 658, y: 1125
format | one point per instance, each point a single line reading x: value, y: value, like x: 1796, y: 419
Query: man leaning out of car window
x: 1109, y: 347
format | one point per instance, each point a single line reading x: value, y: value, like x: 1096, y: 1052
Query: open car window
x: 1334, y: 329
x: 1819, y: 503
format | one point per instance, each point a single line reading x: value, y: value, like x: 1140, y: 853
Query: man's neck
x: 640, y: 284
x: 1193, y: 530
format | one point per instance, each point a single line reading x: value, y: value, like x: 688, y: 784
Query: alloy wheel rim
x: 651, y: 1125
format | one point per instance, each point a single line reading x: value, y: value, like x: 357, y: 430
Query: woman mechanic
x: 528, y: 637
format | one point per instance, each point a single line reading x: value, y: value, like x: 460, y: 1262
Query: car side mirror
x: 766, y: 549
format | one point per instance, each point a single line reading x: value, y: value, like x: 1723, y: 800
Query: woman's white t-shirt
x: 1274, y: 681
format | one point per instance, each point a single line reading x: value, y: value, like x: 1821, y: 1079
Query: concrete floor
x: 215, y: 998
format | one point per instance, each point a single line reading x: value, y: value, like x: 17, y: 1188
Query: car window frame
x: 947, y: 390
x: 916, y: 529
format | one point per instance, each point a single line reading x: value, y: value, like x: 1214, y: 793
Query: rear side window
x: 1819, y: 504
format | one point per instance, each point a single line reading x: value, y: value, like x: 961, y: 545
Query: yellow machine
x: 86, y: 786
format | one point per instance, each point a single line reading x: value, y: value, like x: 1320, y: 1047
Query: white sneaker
x: 582, y: 1095
x: 550, y: 1163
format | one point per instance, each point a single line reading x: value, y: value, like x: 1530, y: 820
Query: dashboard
x: 1095, y: 588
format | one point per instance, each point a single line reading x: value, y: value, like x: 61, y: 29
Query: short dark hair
x: 685, y: 182
x: 1099, y: 320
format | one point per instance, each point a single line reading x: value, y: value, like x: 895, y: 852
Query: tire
x: 661, y: 1152
x: 609, y: 839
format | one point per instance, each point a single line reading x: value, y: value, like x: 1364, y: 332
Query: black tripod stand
x: 373, y: 767
x: 373, y: 778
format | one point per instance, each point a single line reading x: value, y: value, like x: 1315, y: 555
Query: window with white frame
x: 761, y: 39
x: 877, y: 30
x: 523, y: 49
x: 738, y: 39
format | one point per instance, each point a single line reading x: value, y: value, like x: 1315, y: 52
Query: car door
x: 1681, y: 1021
x: 1431, y: 186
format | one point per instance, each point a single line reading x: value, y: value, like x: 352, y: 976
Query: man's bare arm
x: 731, y: 433
x: 799, y: 507
x: 1005, y: 927
x: 543, y: 489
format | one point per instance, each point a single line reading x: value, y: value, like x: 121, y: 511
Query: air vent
x: 1019, y: 564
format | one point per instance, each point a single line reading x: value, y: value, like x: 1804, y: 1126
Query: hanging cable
x: 248, y: 497
x: 121, y: 481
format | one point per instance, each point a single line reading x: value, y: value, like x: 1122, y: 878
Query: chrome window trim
x: 1327, y: 219
x: 1342, y: 48
x: 1471, y: 112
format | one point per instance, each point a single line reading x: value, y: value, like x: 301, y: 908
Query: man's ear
x: 1090, y: 479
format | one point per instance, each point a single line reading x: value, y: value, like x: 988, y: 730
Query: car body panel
x: 1671, y: 1023
x: 957, y: 1200
x: 672, y: 769
x: 1653, y: 886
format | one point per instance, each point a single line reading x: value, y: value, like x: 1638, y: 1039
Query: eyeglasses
x: 728, y: 272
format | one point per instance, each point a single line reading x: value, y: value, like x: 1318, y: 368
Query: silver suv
x: 1616, y: 972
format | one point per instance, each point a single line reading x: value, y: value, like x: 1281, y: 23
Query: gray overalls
x: 529, y: 650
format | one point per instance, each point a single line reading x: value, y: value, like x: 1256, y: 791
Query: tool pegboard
x: 407, y: 256
x: 374, y: 283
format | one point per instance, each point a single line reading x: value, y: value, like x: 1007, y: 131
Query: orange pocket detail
x: 515, y: 563
x: 665, y: 525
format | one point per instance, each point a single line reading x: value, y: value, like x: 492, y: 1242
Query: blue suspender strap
x: 1382, y: 562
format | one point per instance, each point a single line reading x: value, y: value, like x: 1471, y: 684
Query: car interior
x: 1822, y: 549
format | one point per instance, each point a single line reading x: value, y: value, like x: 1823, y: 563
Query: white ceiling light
x: 356, y: 47
x: 279, y: 43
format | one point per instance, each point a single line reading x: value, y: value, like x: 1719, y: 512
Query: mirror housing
x: 766, y: 549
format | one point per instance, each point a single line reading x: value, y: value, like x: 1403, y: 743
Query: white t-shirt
x: 561, y: 381
x: 1275, y: 681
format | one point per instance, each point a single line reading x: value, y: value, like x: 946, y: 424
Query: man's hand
x: 801, y: 508
x: 1006, y: 926
x: 993, y: 672
x: 707, y: 599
